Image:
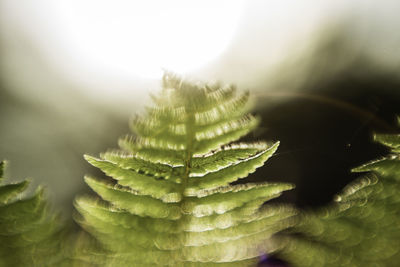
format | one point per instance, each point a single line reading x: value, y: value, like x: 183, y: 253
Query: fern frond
x: 29, y: 234
x: 390, y: 140
x: 151, y: 154
x: 157, y: 170
x: 361, y: 227
x: 155, y: 187
x: 241, y: 169
x: 171, y: 201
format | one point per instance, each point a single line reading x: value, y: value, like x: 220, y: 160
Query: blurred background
x: 324, y: 74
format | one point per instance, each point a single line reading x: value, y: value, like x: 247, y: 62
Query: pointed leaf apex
x: 90, y: 159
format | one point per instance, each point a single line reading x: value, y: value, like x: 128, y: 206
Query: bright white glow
x: 143, y: 37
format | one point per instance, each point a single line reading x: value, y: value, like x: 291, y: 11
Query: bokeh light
x: 140, y: 38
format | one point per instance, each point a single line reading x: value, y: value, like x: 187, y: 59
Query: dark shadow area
x: 326, y: 122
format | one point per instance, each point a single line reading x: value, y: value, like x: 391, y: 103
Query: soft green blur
x: 361, y: 227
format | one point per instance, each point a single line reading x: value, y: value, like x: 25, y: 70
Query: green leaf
x: 158, y: 170
x: 133, y: 201
x: 147, y: 185
x: 155, y: 155
x: 225, y: 157
x: 10, y: 191
x: 222, y: 177
x: 2, y: 167
x: 225, y: 134
x: 390, y: 140
x: 227, y: 198
x: 169, y: 199
x: 29, y: 234
x: 361, y: 227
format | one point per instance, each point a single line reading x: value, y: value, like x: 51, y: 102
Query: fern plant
x: 29, y: 234
x: 361, y: 227
x: 169, y: 198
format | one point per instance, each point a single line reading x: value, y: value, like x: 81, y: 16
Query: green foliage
x: 170, y: 198
x: 29, y: 236
x: 361, y: 227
